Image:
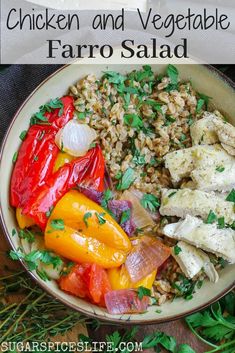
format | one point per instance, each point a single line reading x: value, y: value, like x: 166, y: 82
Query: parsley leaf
x: 126, y: 179
x: 100, y: 217
x: 150, y: 201
x: 39, y: 117
x: 221, y: 223
x: 142, y: 291
x: 231, y: 196
x: 200, y: 104
x: 177, y: 250
x: 220, y: 169
x: 173, y: 74
x: 133, y: 120
x: 15, y: 156
x: 107, y: 196
x: 23, y: 135
x: 57, y: 224
x: 211, y: 218
x: 126, y: 215
x: 86, y: 216
x: 32, y: 259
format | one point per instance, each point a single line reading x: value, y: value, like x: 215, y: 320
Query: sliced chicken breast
x: 203, y: 131
x: 208, y: 237
x: 229, y: 149
x: 182, y: 162
x: 220, y: 178
x: 183, y: 202
x: 192, y: 260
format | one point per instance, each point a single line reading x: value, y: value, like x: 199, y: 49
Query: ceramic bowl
x: 205, y: 79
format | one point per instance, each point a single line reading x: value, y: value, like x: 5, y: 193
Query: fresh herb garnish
x: 172, y: 194
x: 15, y: 156
x: 142, y: 291
x: 155, y: 105
x: 215, y: 326
x: 31, y: 259
x: 48, y: 213
x: 57, y: 224
x: 80, y: 115
x: 177, y: 250
x: 150, y: 201
x: 169, y: 120
x: 173, y: 74
x: 133, y: 120
x: 126, y: 215
x: 27, y: 235
x: 100, y: 217
x: 23, y: 135
x: 107, y: 196
x: 203, y: 100
x: 126, y: 179
x: 231, y: 196
x: 39, y: 117
x: 211, y: 218
x: 14, y: 232
x: 185, y: 286
x: 221, y: 223
x: 220, y: 169
x: 86, y: 216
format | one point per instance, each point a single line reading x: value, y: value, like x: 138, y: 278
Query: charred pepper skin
x: 84, y: 171
x: 37, y: 154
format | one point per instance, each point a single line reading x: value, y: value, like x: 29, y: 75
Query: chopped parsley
x: 142, y: 292
x: 221, y: 223
x: 86, y: 216
x: 169, y: 120
x: 108, y: 195
x: 173, y: 74
x: 126, y: 215
x: 220, y: 169
x: 177, y: 250
x: 185, y: 286
x: 14, y: 232
x: 27, y: 235
x: 31, y: 259
x: 48, y: 213
x: 39, y: 117
x: 211, y: 218
x: 172, y: 194
x: 200, y: 104
x: 205, y: 99
x: 57, y: 224
x: 126, y: 179
x: 80, y: 115
x: 15, y: 156
x: 133, y: 120
x: 150, y: 201
x: 231, y: 196
x: 23, y: 135
x: 100, y: 217
x: 155, y: 105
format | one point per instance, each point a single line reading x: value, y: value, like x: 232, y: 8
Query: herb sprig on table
x: 25, y: 321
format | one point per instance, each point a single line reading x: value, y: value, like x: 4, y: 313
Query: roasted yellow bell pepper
x: 88, y: 232
x: 61, y: 159
x: 23, y: 221
x: 120, y: 279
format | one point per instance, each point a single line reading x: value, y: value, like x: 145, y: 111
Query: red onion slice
x: 125, y: 301
x: 146, y: 257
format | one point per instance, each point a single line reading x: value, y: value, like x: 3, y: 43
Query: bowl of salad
x: 119, y: 189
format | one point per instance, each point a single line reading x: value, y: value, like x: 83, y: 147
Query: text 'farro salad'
x: 124, y: 190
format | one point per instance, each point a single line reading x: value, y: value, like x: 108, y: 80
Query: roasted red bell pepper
x: 57, y: 120
x: 87, y: 281
x: 37, y: 154
x: 87, y: 171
